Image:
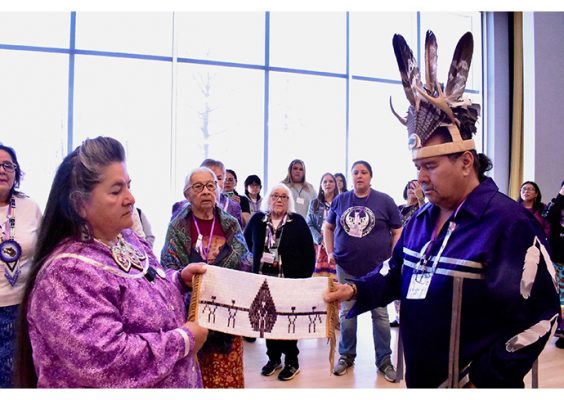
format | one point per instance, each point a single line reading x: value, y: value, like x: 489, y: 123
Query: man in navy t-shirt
x: 361, y: 229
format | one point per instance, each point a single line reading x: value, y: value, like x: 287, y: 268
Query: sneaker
x: 342, y: 365
x: 559, y: 343
x: 270, y: 367
x: 388, y: 370
x: 288, y: 373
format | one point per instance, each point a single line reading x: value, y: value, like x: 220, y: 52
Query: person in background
x: 302, y: 191
x: 316, y: 215
x: 142, y: 227
x: 146, y: 226
x: 554, y: 214
x: 203, y: 232
x: 341, y: 182
x: 413, y: 195
x: 531, y: 198
x: 20, y: 218
x: 253, y: 185
x: 414, y: 200
x: 282, y: 246
x: 229, y: 190
x: 98, y: 310
x: 231, y: 207
x: 361, y: 229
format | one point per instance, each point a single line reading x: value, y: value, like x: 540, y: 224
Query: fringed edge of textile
x: 194, y: 300
x: 332, y: 316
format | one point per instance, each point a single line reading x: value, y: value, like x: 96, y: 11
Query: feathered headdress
x: 432, y: 106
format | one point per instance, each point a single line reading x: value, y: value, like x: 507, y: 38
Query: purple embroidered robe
x: 93, y: 325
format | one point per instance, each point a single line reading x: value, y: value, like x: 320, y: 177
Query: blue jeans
x: 8, y: 317
x: 380, y: 328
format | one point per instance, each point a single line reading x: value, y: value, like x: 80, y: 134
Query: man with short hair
x: 360, y: 231
x: 478, y: 296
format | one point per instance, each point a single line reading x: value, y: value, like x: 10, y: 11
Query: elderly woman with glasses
x: 203, y: 232
x: 19, y: 221
x: 282, y: 246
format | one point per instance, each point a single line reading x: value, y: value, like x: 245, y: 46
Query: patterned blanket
x: 252, y: 305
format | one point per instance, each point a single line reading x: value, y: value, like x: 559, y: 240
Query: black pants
x: 275, y: 349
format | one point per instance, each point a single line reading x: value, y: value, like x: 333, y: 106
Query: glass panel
x: 127, y: 32
x: 371, y: 35
x: 49, y: 29
x: 221, y: 36
x: 132, y: 103
x: 307, y: 121
x: 378, y: 137
x: 449, y: 28
x: 219, y: 115
x: 33, y: 100
x: 313, y: 41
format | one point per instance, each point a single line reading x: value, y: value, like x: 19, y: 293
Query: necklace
x: 10, y: 249
x: 124, y: 254
x: 204, y: 252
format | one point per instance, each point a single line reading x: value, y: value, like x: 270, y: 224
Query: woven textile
x: 251, y: 305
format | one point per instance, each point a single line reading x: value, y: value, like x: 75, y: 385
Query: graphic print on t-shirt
x: 358, y: 221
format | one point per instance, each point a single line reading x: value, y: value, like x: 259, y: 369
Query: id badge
x: 300, y: 200
x: 267, y: 258
x: 419, y: 286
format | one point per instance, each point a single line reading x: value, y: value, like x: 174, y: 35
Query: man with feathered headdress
x: 477, y: 288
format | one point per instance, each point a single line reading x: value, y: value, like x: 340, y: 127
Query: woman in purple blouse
x: 99, y: 310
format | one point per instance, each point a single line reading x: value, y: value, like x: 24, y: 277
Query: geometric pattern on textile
x: 252, y: 305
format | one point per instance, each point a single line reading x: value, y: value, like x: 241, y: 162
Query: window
x: 311, y: 41
x: 33, y: 100
x: 130, y: 100
x: 253, y: 89
x: 307, y: 121
x: 219, y: 114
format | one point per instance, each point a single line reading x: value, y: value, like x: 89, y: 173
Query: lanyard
x: 255, y: 206
x: 224, y: 205
x: 326, y: 211
x: 199, y: 243
x: 270, y: 240
x: 426, y: 250
x: 11, y: 222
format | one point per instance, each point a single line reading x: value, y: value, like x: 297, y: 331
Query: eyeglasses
x: 527, y: 189
x: 276, y: 197
x: 8, y: 166
x: 199, y: 187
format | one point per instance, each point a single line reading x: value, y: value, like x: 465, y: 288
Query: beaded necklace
x: 10, y: 249
x: 127, y: 256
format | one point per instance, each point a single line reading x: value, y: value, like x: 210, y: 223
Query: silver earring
x: 85, y: 234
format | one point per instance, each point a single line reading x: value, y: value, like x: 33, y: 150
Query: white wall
x: 544, y: 91
x: 496, y: 95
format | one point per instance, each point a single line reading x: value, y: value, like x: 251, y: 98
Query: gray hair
x: 265, y: 206
x: 87, y: 163
x: 210, y: 163
x: 188, y: 180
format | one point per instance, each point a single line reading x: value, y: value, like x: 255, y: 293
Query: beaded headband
x: 432, y: 105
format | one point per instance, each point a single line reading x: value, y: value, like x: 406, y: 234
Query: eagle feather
x: 408, y: 68
x: 459, y: 68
